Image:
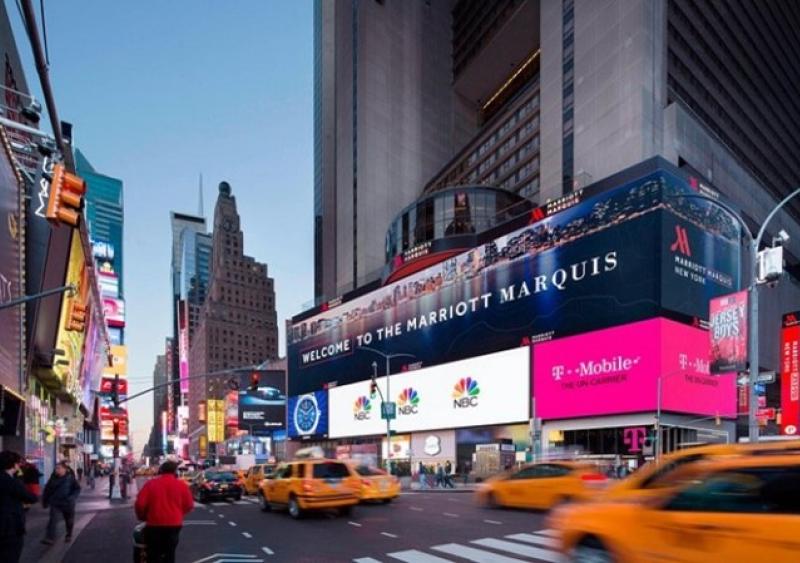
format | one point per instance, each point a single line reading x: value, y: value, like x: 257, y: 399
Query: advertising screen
x: 216, y: 420
x: 263, y: 409
x: 790, y: 374
x: 728, y: 320
x: 107, y: 385
x: 616, y: 370
x: 109, y: 284
x: 598, y: 264
x: 115, y: 311
x: 308, y: 415
x: 480, y: 391
x: 11, y: 236
x: 71, y: 342
x: 183, y: 346
x: 119, y: 362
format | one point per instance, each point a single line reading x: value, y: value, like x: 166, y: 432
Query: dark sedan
x: 209, y: 485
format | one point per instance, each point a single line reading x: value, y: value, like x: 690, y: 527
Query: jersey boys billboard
x: 608, y: 260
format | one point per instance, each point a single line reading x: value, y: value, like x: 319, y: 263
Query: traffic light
x: 115, y: 392
x: 66, y: 197
x: 233, y: 384
x: 373, y: 389
x: 254, y: 381
x: 76, y: 316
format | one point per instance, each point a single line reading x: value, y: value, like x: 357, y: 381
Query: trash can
x: 139, y: 552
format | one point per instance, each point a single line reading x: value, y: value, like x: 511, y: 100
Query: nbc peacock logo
x: 465, y: 393
x: 362, y: 408
x: 408, y: 401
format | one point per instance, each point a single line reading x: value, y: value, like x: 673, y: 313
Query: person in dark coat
x: 60, y: 494
x: 30, y: 477
x: 13, y: 495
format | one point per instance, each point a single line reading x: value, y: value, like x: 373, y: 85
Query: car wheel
x: 591, y: 550
x: 387, y: 500
x: 491, y: 501
x: 294, y: 508
x: 237, y: 498
x: 346, y: 510
x: 262, y: 501
x: 559, y: 502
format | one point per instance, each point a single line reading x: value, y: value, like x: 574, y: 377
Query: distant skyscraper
x: 159, y: 403
x: 237, y: 325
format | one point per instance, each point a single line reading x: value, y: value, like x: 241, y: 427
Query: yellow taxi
x: 254, y: 476
x: 541, y: 485
x: 310, y: 484
x: 744, y: 508
x: 656, y: 479
x: 377, y: 485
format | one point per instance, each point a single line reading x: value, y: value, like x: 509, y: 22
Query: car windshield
x: 221, y: 476
x: 365, y: 471
x: 330, y: 471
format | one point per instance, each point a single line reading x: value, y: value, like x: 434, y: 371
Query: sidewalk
x: 409, y: 485
x: 90, y: 502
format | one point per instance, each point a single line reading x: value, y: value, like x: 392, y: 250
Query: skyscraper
x: 237, y: 324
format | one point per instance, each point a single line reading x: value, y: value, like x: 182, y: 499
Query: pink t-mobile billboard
x: 617, y: 370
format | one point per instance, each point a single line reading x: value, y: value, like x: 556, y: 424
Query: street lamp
x: 387, y: 399
x: 752, y: 322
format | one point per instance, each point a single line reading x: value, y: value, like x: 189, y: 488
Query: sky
x: 159, y: 92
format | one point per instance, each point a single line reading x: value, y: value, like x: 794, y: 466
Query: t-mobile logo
x: 681, y: 243
x: 558, y: 372
x: 634, y: 438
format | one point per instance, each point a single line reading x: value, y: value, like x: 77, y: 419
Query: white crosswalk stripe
x: 538, y: 546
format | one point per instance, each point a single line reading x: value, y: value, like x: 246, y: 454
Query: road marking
x: 418, y: 509
x: 495, y: 522
x: 221, y: 515
x: 524, y: 550
x: 356, y: 524
x: 241, y: 502
x: 267, y: 550
x: 538, y: 540
x: 231, y: 522
x: 472, y: 554
x: 547, y: 532
x: 247, y: 535
x: 200, y: 522
x: 450, y: 514
x: 388, y: 535
x: 366, y: 560
x: 238, y: 556
x: 414, y: 556
x: 220, y: 503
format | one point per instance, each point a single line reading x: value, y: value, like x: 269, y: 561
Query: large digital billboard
x: 307, y: 415
x: 262, y: 409
x: 617, y: 370
x: 790, y: 374
x: 728, y: 321
x: 11, y: 236
x: 491, y: 389
x: 611, y: 259
x: 183, y: 345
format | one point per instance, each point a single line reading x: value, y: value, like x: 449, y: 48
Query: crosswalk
x: 540, y: 545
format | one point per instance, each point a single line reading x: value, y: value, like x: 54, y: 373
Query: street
x: 417, y: 527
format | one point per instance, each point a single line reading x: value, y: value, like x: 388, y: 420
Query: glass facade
x: 453, y: 212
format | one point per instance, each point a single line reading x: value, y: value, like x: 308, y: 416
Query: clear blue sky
x: 161, y: 91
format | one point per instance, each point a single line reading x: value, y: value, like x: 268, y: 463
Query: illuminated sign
x: 71, y: 342
x: 108, y: 283
x: 216, y: 420
x: 114, y: 309
x: 790, y: 374
x: 728, y: 320
x: 183, y: 346
x: 119, y: 360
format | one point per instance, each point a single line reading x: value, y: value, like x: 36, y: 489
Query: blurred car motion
x: 740, y: 508
x: 208, y: 485
x: 541, y: 485
x: 378, y: 485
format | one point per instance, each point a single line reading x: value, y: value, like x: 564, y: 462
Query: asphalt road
x: 417, y: 528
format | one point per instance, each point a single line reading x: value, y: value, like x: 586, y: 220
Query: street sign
x: 766, y: 377
x: 388, y: 410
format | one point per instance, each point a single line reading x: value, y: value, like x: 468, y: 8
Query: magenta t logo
x: 634, y: 438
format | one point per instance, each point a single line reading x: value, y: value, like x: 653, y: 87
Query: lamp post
x: 387, y: 399
x: 752, y: 294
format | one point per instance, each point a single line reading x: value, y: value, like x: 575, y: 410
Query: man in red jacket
x: 161, y: 504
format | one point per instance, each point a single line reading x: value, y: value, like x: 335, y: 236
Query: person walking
x: 439, y: 475
x: 124, y: 480
x: 448, y: 475
x: 80, y: 474
x: 162, y: 503
x: 111, y: 482
x: 90, y: 475
x: 13, y: 495
x: 60, y: 494
x: 421, y: 476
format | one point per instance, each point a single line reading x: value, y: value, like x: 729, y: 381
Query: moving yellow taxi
x: 254, y: 476
x: 541, y: 485
x: 736, y: 509
x: 311, y: 484
x: 376, y: 484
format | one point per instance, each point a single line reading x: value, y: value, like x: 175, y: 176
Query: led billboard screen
x: 263, y: 409
x: 491, y: 389
x: 790, y: 374
x: 308, y: 415
x: 616, y: 370
x: 114, y: 311
x: 728, y: 320
x: 611, y: 259
x: 183, y: 346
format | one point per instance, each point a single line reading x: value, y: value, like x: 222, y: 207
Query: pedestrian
x: 124, y: 480
x: 80, y: 474
x: 448, y: 475
x: 421, y: 476
x: 111, y: 481
x: 60, y: 494
x: 162, y: 503
x: 90, y: 475
x: 13, y: 495
x: 31, y: 477
x: 439, y: 475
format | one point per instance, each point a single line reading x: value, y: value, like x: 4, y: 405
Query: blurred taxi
x: 254, y: 476
x: 744, y: 508
x: 541, y: 485
x: 656, y: 479
x: 376, y: 484
x: 310, y: 484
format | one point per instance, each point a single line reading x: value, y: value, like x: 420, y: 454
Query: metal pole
x: 388, y: 422
x: 658, y: 419
x: 752, y: 421
x: 20, y: 300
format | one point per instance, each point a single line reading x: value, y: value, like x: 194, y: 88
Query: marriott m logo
x: 681, y: 243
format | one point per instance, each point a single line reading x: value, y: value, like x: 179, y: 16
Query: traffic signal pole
x: 20, y: 300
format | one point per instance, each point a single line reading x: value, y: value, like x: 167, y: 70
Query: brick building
x: 237, y: 325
